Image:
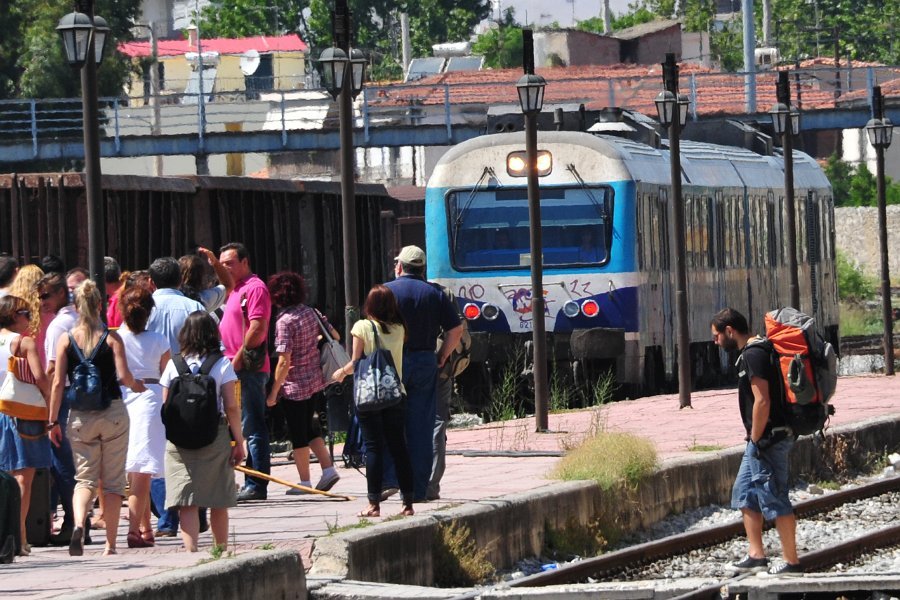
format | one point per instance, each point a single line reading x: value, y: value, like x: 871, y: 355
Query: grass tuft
x: 575, y: 540
x: 609, y: 458
x: 458, y: 561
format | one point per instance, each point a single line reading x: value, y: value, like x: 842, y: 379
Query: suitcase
x: 39, y: 521
x: 10, y: 499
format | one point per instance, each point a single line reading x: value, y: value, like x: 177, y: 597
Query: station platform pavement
x: 484, y: 461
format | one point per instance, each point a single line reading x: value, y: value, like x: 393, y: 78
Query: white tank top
x: 6, y: 342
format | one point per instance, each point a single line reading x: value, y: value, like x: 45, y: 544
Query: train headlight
x: 471, y: 311
x: 590, y: 308
x: 517, y: 163
x: 490, y: 312
x: 571, y: 309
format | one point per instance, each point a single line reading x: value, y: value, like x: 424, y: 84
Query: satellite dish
x: 249, y: 62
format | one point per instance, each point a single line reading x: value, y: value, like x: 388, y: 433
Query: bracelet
x: 52, y: 424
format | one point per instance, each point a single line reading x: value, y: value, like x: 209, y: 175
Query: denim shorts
x: 762, y: 482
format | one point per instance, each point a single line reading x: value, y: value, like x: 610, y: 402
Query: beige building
x: 243, y: 65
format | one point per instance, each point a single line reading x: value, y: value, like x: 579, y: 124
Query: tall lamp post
x: 344, y: 76
x: 84, y: 37
x: 880, y: 131
x: 672, y: 108
x: 531, y: 98
x: 786, y: 123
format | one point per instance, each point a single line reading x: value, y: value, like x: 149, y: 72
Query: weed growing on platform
x: 266, y: 546
x: 562, y: 393
x: 334, y: 528
x: 610, y: 459
x: 602, y: 391
x: 458, y: 561
x: 695, y: 447
x: 504, y: 396
x: 574, y: 539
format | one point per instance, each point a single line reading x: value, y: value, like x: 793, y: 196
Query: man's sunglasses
x: 45, y: 295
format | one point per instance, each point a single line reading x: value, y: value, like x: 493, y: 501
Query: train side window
x: 639, y: 224
x: 662, y: 218
x: 719, y: 230
x: 802, y: 236
x: 756, y: 240
x: 773, y: 230
x: 813, y: 228
x: 690, y: 229
x: 706, y: 207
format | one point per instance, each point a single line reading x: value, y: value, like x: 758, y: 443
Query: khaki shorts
x: 100, y: 445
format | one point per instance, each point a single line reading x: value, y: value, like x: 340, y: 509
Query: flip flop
x: 369, y: 512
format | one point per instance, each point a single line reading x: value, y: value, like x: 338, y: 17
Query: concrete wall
x: 272, y: 575
x: 856, y: 235
x: 513, y: 527
x: 572, y: 48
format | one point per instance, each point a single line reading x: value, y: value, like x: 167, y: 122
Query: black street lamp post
x: 786, y: 123
x: 84, y: 37
x: 880, y: 131
x: 531, y: 98
x: 672, y: 108
x: 344, y: 75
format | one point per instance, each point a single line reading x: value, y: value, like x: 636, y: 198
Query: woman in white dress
x: 148, y: 354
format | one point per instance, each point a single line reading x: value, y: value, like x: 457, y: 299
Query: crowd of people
x: 208, y: 315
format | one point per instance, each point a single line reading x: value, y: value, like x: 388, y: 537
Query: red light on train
x: 471, y: 311
x: 590, y: 308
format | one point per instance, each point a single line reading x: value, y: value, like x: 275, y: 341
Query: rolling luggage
x: 38, y: 523
x: 10, y: 499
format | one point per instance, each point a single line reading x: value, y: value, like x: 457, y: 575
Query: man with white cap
x: 428, y: 312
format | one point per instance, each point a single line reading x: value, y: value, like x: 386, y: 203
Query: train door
x: 667, y: 283
x: 657, y: 326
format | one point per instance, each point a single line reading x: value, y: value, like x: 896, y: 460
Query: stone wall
x: 856, y: 236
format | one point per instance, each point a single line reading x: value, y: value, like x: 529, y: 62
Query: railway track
x: 619, y: 561
x: 864, y: 344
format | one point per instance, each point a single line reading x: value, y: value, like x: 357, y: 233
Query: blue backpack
x: 86, y: 391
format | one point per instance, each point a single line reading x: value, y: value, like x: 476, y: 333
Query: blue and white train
x: 608, y: 270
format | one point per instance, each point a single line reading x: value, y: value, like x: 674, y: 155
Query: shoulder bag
x: 376, y: 385
x: 253, y: 358
x: 19, y: 397
x: 332, y: 355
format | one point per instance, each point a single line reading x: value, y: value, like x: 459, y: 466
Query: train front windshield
x: 489, y: 228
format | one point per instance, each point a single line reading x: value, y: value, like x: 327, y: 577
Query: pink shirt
x: 253, y: 293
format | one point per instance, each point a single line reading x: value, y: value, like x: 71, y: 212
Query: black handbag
x: 376, y: 385
x: 253, y: 359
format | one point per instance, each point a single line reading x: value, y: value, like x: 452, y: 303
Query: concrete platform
x: 485, y: 462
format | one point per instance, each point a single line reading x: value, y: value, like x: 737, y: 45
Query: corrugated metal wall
x: 285, y: 224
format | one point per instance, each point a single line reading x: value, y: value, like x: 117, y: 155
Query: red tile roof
x: 262, y: 44
x: 627, y: 86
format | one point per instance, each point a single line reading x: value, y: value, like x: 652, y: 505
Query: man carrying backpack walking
x: 761, y: 487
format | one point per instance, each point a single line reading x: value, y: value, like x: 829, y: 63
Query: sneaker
x: 786, y: 569
x: 248, y: 494
x: 327, y: 482
x: 752, y: 565
x: 296, y: 492
x: 165, y: 533
x: 388, y: 492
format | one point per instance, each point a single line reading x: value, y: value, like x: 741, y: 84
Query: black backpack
x: 86, y: 391
x: 191, y: 411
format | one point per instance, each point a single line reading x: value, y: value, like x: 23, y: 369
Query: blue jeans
x: 383, y: 429
x: 62, y: 469
x: 168, y: 519
x: 420, y: 381
x: 763, y: 480
x: 439, y: 441
x: 253, y: 423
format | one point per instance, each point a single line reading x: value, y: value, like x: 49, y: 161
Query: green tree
x: 839, y: 174
x: 862, y: 187
x: 501, y: 46
x: 33, y: 65
x: 376, y: 27
x: 246, y: 18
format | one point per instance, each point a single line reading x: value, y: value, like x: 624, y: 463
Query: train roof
x: 702, y: 164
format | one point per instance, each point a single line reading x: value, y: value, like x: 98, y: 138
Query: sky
x: 544, y: 12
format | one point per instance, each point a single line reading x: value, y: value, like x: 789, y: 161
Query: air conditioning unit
x: 766, y: 58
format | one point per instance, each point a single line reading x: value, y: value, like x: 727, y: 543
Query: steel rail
x: 648, y: 552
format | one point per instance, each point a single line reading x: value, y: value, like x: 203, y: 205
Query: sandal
x: 135, y: 540
x: 371, y: 511
x: 407, y: 510
x: 148, y: 538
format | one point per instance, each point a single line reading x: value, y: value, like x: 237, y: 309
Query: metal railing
x: 444, y: 105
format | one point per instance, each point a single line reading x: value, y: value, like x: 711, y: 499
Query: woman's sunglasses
x: 24, y: 311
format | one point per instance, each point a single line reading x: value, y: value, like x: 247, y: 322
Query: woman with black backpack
x: 93, y: 359
x: 200, y: 466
